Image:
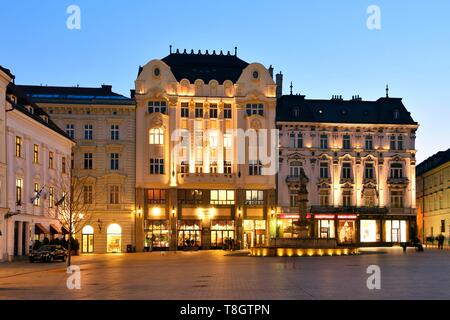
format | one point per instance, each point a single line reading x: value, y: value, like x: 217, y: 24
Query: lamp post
x: 273, y: 212
x: 174, y: 230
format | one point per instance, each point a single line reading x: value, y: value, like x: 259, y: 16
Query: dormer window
x: 30, y: 109
x: 295, y: 112
x: 45, y: 118
x: 396, y: 114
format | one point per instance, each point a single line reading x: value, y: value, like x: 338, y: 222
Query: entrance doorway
x: 87, y: 239
x: 114, y: 238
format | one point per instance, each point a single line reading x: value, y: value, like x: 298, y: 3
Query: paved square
x: 218, y: 275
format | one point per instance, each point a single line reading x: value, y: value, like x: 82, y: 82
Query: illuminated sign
x: 289, y: 216
x: 324, y: 216
x: 347, y: 216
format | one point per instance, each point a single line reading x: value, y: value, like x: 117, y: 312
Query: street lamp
x: 174, y: 230
x: 273, y: 212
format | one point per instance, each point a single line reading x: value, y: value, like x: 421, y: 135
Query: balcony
x: 369, y: 181
x: 324, y: 180
x: 398, y: 181
x: 346, y: 180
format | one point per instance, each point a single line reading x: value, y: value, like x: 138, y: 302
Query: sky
x: 324, y: 47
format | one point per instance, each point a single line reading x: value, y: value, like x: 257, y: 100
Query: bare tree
x: 74, y: 209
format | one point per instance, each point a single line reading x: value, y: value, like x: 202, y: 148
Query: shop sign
x: 347, y: 216
x: 324, y: 216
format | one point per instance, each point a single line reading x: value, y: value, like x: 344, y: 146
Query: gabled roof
x: 206, y: 67
x: 76, y: 95
x: 296, y: 108
x: 432, y: 162
x: 23, y: 100
x: 7, y: 71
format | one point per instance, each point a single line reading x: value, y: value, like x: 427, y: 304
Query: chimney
x: 271, y: 71
x: 132, y: 93
x: 107, y: 88
x: 279, y: 82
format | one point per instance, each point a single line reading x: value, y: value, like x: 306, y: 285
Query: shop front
x: 254, y: 233
x: 222, y: 231
x: 157, y: 235
x: 189, y: 234
x: 342, y: 227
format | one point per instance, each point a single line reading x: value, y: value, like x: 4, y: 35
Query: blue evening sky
x: 324, y: 47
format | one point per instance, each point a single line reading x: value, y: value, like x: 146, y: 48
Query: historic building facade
x: 197, y: 185
x: 37, y: 155
x: 103, y: 125
x: 433, y: 196
x: 356, y: 160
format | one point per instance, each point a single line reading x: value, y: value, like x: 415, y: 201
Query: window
x: 295, y: 168
x: 293, y: 200
x: 396, y: 143
x: 115, y: 132
x: 369, y: 172
x: 324, y: 198
x: 70, y: 130
x: 254, y: 168
x: 346, y: 198
x: 51, y: 197
x: 346, y: 142
x: 396, y: 171
x: 184, y: 167
x: 88, y: 161
x: 323, y: 141
x: 296, y: 140
x: 227, y: 167
x: 254, y: 197
x: 19, y: 187
x: 156, y: 136
x: 400, y: 143
x: 87, y: 194
x: 37, y: 198
x: 185, y: 109
x: 323, y: 170
x: 213, y: 167
x: 443, y: 226
x: 50, y: 160
x: 222, y: 197
x: 227, y: 140
x: 114, y: 161
x: 213, y: 111
x: 255, y: 108
x: 190, y: 196
x: 392, y: 143
x: 397, y: 199
x: 88, y: 132
x: 227, y: 111
x: 114, y: 194
x: 18, y: 146
x: 369, y: 143
x: 346, y: 170
x: 156, y: 196
x: 199, y: 110
x: 63, y: 165
x: 156, y: 166
x: 157, y: 106
x: 35, y: 153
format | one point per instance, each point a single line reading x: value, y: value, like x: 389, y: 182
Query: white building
x: 359, y: 161
x: 38, y: 156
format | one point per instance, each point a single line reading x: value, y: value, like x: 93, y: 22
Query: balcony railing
x: 400, y: 181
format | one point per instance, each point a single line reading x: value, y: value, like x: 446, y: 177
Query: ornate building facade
x: 358, y: 162
x: 199, y: 179
x: 37, y: 155
x: 102, y: 123
x: 433, y: 196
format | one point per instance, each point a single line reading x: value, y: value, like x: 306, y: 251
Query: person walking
x: 441, y: 240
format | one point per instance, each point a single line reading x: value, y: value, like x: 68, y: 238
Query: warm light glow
x: 212, y: 212
x: 156, y: 211
x: 81, y: 215
x: 324, y: 216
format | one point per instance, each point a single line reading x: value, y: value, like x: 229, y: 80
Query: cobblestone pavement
x: 219, y: 275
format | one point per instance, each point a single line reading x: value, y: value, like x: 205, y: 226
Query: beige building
x: 103, y: 125
x: 37, y: 156
x: 358, y: 160
x: 433, y: 196
x: 197, y: 186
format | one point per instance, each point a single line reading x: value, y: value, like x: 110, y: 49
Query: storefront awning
x: 65, y: 230
x: 40, y: 229
x: 55, y: 229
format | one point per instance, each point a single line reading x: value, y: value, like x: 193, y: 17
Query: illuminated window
x: 156, y: 136
x: 18, y: 146
x: 51, y: 197
x: 156, y: 196
x: 254, y: 197
x: 190, y: 196
x: 87, y: 239
x: 19, y: 186
x: 37, y: 198
x: 222, y: 197
x: 114, y: 238
x: 157, y: 106
x: 36, y: 154
x: 369, y: 231
x: 326, y: 229
x: 50, y: 160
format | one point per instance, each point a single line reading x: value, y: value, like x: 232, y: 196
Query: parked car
x: 49, y: 253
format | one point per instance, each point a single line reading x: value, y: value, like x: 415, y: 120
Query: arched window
x: 87, y: 239
x: 114, y: 238
x: 156, y: 136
